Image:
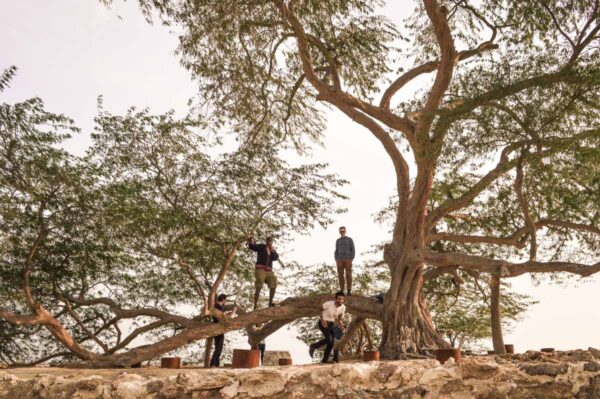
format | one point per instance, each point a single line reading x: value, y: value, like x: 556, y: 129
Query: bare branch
x: 428, y: 67
x: 562, y: 32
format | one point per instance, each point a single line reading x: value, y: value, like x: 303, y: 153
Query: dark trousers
x: 216, y: 356
x: 328, y: 341
x: 261, y: 348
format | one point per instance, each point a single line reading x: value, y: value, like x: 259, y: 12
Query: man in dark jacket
x: 265, y: 255
x: 344, y: 254
x: 219, y: 339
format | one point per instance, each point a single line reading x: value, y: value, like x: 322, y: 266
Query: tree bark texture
x: 407, y: 324
x: 208, y: 352
x: 497, y: 338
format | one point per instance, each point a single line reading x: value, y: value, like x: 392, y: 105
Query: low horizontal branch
x: 290, y: 309
x: 516, y: 239
x: 501, y: 267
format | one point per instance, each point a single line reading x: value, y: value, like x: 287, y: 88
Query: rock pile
x: 573, y: 374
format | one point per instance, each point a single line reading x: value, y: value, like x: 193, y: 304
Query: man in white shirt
x: 331, y: 313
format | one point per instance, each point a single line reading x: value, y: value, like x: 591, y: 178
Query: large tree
x: 502, y: 119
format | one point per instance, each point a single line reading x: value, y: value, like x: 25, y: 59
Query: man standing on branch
x: 219, y: 339
x: 344, y: 254
x: 265, y: 255
x: 332, y: 312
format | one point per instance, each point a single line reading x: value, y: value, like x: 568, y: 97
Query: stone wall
x: 574, y: 374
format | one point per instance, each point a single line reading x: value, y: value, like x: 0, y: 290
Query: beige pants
x: 344, y: 266
x: 261, y: 276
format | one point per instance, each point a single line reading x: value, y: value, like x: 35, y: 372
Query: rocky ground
x: 572, y: 374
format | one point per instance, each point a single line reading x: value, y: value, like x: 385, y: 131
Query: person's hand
x: 323, y: 323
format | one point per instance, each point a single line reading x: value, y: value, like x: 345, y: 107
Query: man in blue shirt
x: 344, y: 254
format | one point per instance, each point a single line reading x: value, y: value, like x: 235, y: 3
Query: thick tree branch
x: 289, y: 309
x: 516, y: 239
x: 228, y: 259
x: 136, y: 312
x: 19, y: 320
x: 256, y: 335
x: 437, y: 15
x: 503, y: 268
x: 40, y: 360
x: 564, y: 75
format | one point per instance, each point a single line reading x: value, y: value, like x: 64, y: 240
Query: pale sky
x: 70, y: 51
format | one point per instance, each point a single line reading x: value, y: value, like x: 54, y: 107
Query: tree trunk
x: 497, y: 338
x: 407, y: 324
x: 208, y: 351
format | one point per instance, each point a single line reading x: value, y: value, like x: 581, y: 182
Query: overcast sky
x: 70, y: 51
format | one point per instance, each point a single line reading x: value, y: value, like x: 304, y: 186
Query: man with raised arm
x: 265, y: 255
x: 344, y: 254
x: 332, y: 313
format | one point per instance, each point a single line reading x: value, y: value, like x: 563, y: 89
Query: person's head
x: 339, y: 298
x: 343, y: 231
x: 269, y: 241
x: 221, y: 298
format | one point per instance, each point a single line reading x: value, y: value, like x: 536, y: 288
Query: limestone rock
x: 594, y: 352
x: 262, y: 383
x: 590, y: 390
x: 591, y: 366
x: 545, y: 369
x: 231, y: 390
x: 129, y: 386
x: 479, y: 370
x: 206, y: 381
